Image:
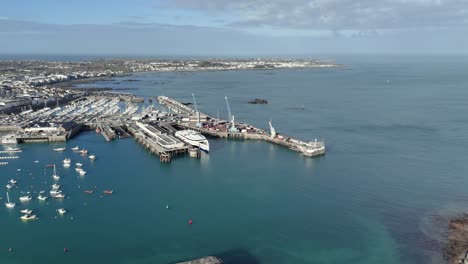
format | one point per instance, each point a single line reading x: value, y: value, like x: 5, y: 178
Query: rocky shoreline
x: 457, y: 240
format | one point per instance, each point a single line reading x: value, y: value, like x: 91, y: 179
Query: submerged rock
x: 258, y: 101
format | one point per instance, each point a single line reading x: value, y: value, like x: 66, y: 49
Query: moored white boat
x: 42, y: 198
x: 9, y: 204
x: 92, y: 157
x: 194, y: 138
x: 61, y: 211
x: 12, y: 181
x: 9, y: 186
x: 28, y: 217
x: 83, y: 151
x: 79, y: 164
x: 25, y: 198
x: 55, y: 176
x: 10, y: 149
x: 60, y: 149
x: 55, y: 192
x: 59, y: 196
x: 75, y: 148
x: 55, y: 186
x: 26, y: 211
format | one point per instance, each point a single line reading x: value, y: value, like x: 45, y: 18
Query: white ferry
x: 194, y: 138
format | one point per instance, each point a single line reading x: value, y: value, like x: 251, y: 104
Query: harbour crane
x: 198, y: 124
x: 231, y: 117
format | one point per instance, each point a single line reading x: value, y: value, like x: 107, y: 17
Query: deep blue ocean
x: 396, y: 129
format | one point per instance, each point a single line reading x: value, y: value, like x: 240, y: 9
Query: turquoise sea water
x: 396, y: 131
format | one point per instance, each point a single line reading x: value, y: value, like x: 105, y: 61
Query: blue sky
x: 234, y: 27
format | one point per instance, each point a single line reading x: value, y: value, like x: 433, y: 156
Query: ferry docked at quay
x: 194, y: 138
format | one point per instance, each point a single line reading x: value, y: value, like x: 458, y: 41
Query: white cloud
x: 335, y: 14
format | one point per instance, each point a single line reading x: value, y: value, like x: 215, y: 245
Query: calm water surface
x: 396, y: 131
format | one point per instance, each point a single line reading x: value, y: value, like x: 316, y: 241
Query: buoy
x: 65, y: 249
x: 190, y: 222
x: 10, y: 250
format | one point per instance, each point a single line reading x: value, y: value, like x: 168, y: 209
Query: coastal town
x: 29, y: 84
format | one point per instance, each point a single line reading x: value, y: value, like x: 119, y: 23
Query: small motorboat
x: 82, y: 172
x: 83, y: 151
x: 28, y: 217
x: 42, y: 198
x: 66, y: 161
x: 26, y: 198
x: 12, y: 181
x: 9, y: 186
x: 75, y: 148
x: 59, y: 196
x: 26, y: 211
x: 108, y: 191
x: 66, y: 165
x: 36, y: 161
x: 92, y: 157
x: 55, y: 192
x: 61, y: 211
x: 55, y: 186
x: 79, y: 164
x: 56, y: 177
x: 88, y: 191
x: 59, y: 149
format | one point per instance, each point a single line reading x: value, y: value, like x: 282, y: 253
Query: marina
x: 166, y: 134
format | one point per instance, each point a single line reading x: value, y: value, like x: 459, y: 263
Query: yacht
x: 55, y: 176
x: 92, y: 157
x: 28, y: 217
x: 61, y: 211
x: 9, y: 204
x: 26, y: 211
x: 66, y: 161
x: 10, y: 149
x: 81, y: 172
x: 194, y: 138
x: 26, y: 198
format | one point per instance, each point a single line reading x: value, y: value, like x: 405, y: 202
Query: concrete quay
x: 210, y: 126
